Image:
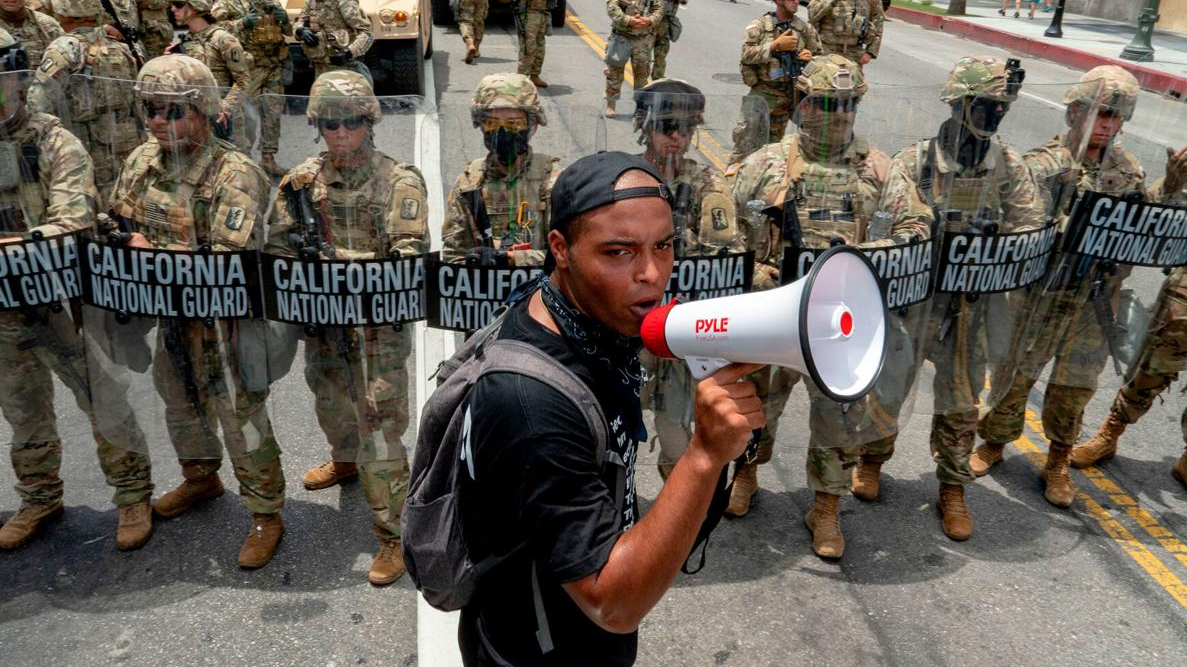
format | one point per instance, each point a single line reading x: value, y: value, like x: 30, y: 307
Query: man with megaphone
x: 828, y: 180
x: 965, y: 180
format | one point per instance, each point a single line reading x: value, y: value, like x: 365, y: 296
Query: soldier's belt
x: 843, y: 40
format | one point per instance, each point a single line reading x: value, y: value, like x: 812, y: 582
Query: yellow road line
x: 1123, y: 500
x: 706, y: 144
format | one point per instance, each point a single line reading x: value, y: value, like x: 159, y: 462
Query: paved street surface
x: 1100, y: 584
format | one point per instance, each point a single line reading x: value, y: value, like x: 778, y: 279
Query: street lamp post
x: 1140, y: 48
x: 1056, y: 27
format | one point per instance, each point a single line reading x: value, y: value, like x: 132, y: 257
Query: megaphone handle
x: 703, y: 367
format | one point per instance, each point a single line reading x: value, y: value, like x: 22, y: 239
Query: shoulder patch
x: 235, y: 218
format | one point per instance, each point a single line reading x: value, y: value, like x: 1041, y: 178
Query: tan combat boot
x: 1056, y: 475
x: 260, y: 545
x: 540, y: 83
x: 865, y: 479
x: 955, y: 518
x: 388, y: 564
x: 1179, y: 471
x: 745, y: 486
x: 268, y: 164
x: 23, y: 525
x: 609, y: 113
x: 328, y: 474
x: 1100, y: 447
x: 190, y: 491
x: 984, y: 457
x: 135, y: 526
x: 471, y: 51
x: 825, y: 524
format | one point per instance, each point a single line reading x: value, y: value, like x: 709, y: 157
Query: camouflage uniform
x: 851, y: 28
x: 705, y: 226
x: 261, y: 26
x: 34, y: 31
x: 641, y: 40
x: 835, y: 184
x: 534, y: 17
x: 179, y: 206
x: 341, y: 26
x: 772, y: 91
x: 663, y: 39
x: 156, y: 32
x: 37, y: 343
x: 87, y: 73
x: 1001, y: 186
x: 471, y: 20
x: 353, y: 195
x: 222, y: 52
x: 517, y: 197
x: 1062, y: 324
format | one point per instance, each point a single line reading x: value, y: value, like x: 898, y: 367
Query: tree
x: 957, y: 7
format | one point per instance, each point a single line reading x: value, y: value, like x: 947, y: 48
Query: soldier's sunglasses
x: 331, y: 124
x: 178, y: 5
x: 833, y: 104
x: 490, y: 124
x: 171, y: 111
x: 667, y: 126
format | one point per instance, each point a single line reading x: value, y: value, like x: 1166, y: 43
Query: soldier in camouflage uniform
x: 56, y: 197
x: 1062, y: 325
x: 852, y: 28
x: 772, y: 86
x: 834, y: 178
x: 181, y: 189
x: 635, y: 21
x: 663, y: 38
x: 85, y: 73
x: 471, y: 23
x: 335, y: 34
x: 156, y: 32
x: 33, y: 29
x: 508, y: 191
x: 978, y: 185
x: 223, y: 54
x: 261, y: 26
x: 350, y: 181
x: 667, y: 113
x: 1162, y: 357
x: 532, y: 18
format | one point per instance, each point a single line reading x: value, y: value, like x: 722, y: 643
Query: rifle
x: 680, y: 211
x: 312, y: 246
x: 984, y: 224
x: 789, y: 61
x: 1098, y: 296
x: 131, y: 37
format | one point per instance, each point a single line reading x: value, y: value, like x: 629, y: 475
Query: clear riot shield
x: 172, y: 296
x: 498, y: 165
x: 1086, y: 323
x: 46, y: 209
x: 343, y: 272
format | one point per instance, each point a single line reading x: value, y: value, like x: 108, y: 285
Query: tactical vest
x: 845, y: 23
x: 32, y: 35
x: 517, y: 207
x: 356, y: 218
x: 966, y: 203
x: 772, y: 71
x: 831, y: 200
x: 23, y: 191
x: 101, y: 93
x: 200, y: 45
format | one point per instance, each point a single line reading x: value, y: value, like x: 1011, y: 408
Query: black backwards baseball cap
x: 588, y: 183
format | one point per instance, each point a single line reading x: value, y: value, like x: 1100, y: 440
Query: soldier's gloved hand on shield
x: 279, y: 15
x: 340, y: 59
x: 251, y: 19
x: 307, y: 36
x: 1176, y: 171
x: 488, y: 257
x: 785, y: 42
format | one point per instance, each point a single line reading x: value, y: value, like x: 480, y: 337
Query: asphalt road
x: 1100, y: 584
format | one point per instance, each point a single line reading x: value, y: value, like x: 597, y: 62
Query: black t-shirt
x: 537, y: 480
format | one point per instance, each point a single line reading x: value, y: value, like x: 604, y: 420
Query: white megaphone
x: 830, y: 325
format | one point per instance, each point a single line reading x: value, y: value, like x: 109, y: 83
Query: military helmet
x: 178, y: 78
x: 833, y: 75
x: 1108, y: 87
x: 506, y: 91
x: 13, y: 56
x: 340, y: 94
x: 78, y: 8
x: 668, y: 99
x: 202, y: 6
x: 985, y: 77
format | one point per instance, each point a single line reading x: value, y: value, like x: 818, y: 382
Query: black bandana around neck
x: 611, y: 355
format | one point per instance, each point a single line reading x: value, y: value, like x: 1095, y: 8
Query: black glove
x: 250, y: 20
x: 307, y: 36
x: 279, y: 15
x: 487, y: 257
x: 340, y: 59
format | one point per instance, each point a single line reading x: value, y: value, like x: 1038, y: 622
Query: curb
x: 1150, y: 79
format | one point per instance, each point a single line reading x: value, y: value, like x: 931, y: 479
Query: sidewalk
x: 1086, y: 42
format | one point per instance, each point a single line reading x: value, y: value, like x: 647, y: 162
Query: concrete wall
x: 1173, y: 12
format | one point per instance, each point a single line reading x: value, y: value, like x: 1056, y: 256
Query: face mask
x: 505, y: 145
x: 982, y: 116
x: 825, y: 134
